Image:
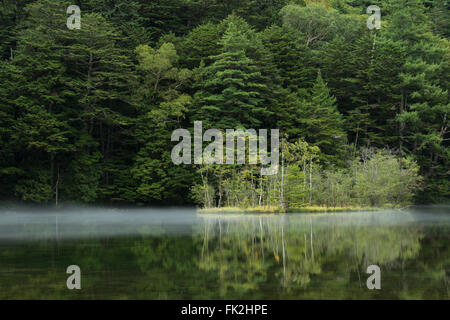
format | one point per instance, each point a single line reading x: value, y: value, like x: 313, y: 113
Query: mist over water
x: 84, y: 222
x: 154, y: 253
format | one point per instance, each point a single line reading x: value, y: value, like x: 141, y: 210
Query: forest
x: 86, y: 115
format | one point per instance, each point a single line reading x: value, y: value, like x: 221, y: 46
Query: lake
x: 179, y: 254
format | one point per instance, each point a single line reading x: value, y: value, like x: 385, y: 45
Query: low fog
x: 83, y: 222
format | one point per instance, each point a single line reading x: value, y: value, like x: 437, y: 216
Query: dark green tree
x: 320, y: 122
x: 230, y: 88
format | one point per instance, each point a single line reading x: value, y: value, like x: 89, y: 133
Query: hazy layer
x: 23, y: 224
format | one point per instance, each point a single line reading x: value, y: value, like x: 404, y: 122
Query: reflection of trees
x: 288, y: 256
x: 236, y: 255
x: 246, y: 251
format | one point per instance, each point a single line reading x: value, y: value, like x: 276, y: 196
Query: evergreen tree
x: 162, y: 108
x: 230, y: 94
x: 292, y: 58
x: 87, y: 115
x: 440, y: 14
x: 41, y: 129
x: 201, y: 44
x: 320, y: 122
x: 423, y: 93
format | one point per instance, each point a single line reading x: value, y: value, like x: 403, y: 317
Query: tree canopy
x: 87, y: 114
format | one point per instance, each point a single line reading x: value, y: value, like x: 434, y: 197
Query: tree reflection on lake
x: 180, y: 255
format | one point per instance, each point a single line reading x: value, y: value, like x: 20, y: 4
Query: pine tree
x: 230, y: 94
x: 293, y: 59
x: 440, y: 14
x: 73, y: 102
x: 423, y: 93
x: 200, y: 44
x: 320, y: 122
x: 125, y: 15
x: 12, y: 14
x: 161, y: 109
x: 41, y: 130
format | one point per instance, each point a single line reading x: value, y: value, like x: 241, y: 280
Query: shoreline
x: 279, y: 210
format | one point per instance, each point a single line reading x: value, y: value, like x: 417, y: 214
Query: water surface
x: 178, y: 254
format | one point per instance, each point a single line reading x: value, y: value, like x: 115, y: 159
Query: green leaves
x: 231, y: 86
x: 104, y: 99
x: 318, y: 121
x: 162, y: 107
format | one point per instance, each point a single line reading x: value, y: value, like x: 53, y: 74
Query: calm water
x: 177, y: 254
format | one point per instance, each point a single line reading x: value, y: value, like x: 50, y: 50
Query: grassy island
x: 276, y: 209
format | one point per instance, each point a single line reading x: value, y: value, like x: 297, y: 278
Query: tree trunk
x: 310, y: 181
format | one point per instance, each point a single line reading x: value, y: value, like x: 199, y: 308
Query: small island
x: 373, y: 181
x: 277, y: 210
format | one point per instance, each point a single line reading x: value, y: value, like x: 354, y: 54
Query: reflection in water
x: 180, y: 255
x: 242, y: 250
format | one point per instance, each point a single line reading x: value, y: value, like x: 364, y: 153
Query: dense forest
x: 87, y: 114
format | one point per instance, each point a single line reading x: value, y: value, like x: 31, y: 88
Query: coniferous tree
x: 230, y: 94
x: 291, y: 57
x: 85, y: 117
x: 162, y: 107
x: 423, y: 93
x: 321, y: 123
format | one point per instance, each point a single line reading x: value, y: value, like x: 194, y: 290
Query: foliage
x: 87, y: 115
